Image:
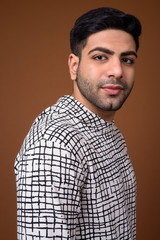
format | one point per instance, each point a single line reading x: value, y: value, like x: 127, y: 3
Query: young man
x: 74, y: 177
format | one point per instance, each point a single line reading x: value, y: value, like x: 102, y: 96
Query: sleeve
x: 49, y: 180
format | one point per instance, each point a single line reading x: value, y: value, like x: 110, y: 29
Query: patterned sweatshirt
x: 74, y: 178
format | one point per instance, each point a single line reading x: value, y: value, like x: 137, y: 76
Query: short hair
x: 100, y: 19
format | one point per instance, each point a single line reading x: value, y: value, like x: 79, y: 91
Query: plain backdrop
x: 34, y: 49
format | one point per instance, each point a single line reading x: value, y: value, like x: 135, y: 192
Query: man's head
x: 104, y: 45
x: 101, y: 19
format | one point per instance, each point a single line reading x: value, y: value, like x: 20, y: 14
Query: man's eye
x: 100, y: 57
x: 128, y: 60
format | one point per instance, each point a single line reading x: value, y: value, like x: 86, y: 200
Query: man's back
x: 74, y: 177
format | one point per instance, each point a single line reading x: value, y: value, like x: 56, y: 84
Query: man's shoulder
x: 55, y: 126
x: 63, y: 128
x: 56, y: 130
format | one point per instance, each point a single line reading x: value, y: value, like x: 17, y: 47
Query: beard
x: 105, y: 102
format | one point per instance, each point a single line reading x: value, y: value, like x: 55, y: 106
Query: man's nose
x: 115, y: 69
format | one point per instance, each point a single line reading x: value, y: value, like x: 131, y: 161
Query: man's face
x: 104, y: 76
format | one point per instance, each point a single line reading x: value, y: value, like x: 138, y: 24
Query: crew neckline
x: 78, y: 110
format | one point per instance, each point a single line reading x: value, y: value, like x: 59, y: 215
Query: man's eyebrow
x: 101, y: 49
x: 129, y: 53
x: 110, y: 52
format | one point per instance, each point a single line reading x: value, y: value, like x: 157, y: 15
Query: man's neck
x: 106, y: 115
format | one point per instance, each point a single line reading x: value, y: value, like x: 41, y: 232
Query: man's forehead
x: 110, y: 38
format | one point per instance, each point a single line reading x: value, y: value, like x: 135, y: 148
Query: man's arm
x: 49, y: 181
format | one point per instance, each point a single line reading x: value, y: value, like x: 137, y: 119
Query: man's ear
x: 73, y: 62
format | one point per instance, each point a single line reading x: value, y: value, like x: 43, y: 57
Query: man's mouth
x: 112, y: 89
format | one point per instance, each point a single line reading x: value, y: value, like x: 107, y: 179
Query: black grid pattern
x: 74, y: 178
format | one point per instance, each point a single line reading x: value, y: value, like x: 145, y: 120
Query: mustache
x: 113, y: 82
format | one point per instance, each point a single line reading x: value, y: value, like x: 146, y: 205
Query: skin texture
x: 104, y: 76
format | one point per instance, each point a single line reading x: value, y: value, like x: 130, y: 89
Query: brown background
x: 34, y: 42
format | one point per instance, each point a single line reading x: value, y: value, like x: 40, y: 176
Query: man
x: 74, y: 177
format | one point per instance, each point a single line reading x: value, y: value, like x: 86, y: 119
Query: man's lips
x: 112, y: 89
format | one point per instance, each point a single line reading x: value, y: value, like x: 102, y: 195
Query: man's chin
x: 112, y: 105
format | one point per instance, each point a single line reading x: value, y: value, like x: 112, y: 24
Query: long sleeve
x: 74, y: 178
x: 49, y: 179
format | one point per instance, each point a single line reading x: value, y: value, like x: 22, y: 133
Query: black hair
x: 100, y: 19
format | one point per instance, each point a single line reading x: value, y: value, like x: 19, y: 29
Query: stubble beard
x: 111, y: 102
